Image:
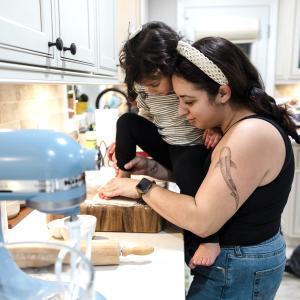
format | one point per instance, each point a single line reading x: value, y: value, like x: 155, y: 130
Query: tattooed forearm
x: 225, y: 163
x: 157, y: 171
x: 153, y: 168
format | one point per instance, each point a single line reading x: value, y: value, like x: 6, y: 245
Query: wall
x: 33, y: 106
x: 126, y: 11
x: 165, y: 11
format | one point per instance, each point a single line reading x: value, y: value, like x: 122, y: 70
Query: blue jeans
x: 242, y: 273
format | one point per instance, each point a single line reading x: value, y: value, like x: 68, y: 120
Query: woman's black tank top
x: 258, y: 219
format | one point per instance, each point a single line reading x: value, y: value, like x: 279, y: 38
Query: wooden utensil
x: 106, y: 252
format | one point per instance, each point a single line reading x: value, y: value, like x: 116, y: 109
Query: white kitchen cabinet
x: 106, y: 43
x: 28, y: 26
x: 75, y: 25
x: 25, y: 32
x: 288, y: 43
x: 26, y: 29
x: 291, y: 214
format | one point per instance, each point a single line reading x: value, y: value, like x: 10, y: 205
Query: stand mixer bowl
x: 46, y: 274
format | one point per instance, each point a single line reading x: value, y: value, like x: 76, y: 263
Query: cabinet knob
x: 58, y: 43
x: 72, y: 49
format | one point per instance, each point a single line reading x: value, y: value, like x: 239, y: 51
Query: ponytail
x: 246, y: 86
x: 263, y: 104
x: 129, y: 72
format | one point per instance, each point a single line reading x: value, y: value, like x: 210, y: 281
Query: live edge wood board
x: 134, y: 217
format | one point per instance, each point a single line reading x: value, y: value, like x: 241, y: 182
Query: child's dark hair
x: 152, y: 50
x: 246, y: 86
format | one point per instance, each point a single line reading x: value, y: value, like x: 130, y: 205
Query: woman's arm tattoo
x: 225, y: 163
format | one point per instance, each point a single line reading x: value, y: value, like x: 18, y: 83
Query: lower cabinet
x: 291, y: 214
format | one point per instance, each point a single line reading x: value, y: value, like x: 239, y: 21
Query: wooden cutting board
x: 121, y: 215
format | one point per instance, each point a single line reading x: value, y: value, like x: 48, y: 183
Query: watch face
x: 144, y: 185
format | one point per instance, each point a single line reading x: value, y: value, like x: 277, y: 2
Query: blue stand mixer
x: 45, y: 168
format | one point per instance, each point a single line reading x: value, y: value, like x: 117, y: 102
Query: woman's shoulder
x: 256, y: 129
x: 253, y: 136
x: 251, y: 144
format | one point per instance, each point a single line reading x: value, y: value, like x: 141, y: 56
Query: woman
x: 249, y: 174
x: 148, y: 58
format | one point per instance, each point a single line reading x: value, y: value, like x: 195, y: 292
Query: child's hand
x: 111, y: 154
x: 212, y: 137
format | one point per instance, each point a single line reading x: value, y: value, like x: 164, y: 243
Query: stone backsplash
x: 33, y: 106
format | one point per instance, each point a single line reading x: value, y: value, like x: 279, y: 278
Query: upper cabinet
x: 106, y: 43
x: 24, y: 36
x: 75, y: 26
x: 32, y: 37
x: 288, y: 43
x: 59, y: 40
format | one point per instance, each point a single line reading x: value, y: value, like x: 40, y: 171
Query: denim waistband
x: 273, y: 245
x: 268, y: 241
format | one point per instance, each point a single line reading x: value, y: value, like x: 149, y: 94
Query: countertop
x: 159, y: 275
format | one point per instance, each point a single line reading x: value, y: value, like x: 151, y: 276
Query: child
x: 148, y: 59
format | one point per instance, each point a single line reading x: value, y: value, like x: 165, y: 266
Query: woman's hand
x: 138, y: 166
x: 211, y: 137
x: 141, y: 165
x: 119, y: 187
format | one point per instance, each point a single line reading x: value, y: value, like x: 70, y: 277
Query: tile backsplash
x: 33, y: 106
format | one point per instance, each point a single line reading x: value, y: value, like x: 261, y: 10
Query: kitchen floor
x: 290, y: 285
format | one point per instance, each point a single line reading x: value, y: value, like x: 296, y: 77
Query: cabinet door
x: 296, y: 44
x: 106, y: 37
x: 26, y: 29
x: 290, y: 216
x: 75, y: 21
x: 288, y: 44
x: 291, y: 213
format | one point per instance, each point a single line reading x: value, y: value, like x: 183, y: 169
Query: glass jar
x: 44, y: 271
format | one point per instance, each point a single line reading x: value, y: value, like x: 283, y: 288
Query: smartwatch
x: 144, y: 186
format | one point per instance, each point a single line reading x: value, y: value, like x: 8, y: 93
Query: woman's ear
x: 224, y: 94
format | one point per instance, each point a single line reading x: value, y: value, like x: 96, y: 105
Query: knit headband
x: 202, y: 62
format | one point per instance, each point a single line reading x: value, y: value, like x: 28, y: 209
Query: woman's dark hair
x: 152, y: 50
x: 246, y: 86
